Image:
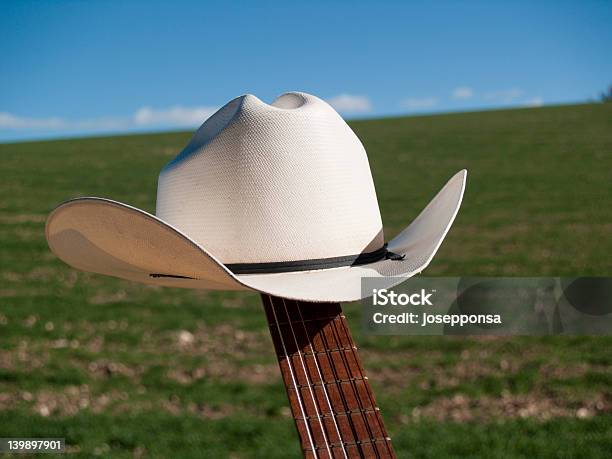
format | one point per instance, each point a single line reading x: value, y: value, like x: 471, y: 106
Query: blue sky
x: 78, y: 68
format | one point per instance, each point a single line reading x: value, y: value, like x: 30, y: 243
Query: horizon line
x: 359, y: 119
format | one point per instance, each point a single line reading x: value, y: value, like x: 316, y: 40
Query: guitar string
x: 353, y: 384
x: 314, y: 356
x: 335, y: 334
x: 297, y: 391
x: 334, y: 370
x: 370, y: 396
x: 314, y: 400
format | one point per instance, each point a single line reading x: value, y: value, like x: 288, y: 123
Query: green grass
x: 99, y: 361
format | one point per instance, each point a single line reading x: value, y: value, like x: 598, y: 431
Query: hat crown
x: 270, y: 183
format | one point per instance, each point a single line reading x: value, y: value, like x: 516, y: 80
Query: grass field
x: 132, y: 371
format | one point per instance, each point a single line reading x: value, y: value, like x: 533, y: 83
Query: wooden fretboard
x: 331, y: 399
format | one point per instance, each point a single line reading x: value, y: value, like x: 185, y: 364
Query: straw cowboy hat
x: 272, y: 198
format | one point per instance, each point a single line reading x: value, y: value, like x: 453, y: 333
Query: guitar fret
x: 317, y: 319
x: 322, y: 351
x: 343, y: 413
x: 353, y: 443
x: 329, y: 351
x: 329, y: 383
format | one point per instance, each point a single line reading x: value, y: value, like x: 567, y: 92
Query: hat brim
x: 108, y: 237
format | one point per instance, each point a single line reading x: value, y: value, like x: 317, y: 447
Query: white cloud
x: 174, y: 116
x: 415, y: 104
x: 504, y: 95
x: 10, y: 121
x: 463, y: 92
x: 347, y: 103
x: 146, y: 116
x: 534, y: 102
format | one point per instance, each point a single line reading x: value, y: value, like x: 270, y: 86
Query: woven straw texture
x: 265, y: 183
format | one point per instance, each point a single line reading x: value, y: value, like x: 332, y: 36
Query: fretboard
x: 331, y: 399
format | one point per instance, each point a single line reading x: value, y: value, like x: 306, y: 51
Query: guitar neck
x: 331, y: 399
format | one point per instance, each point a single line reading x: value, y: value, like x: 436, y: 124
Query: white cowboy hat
x: 273, y: 198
